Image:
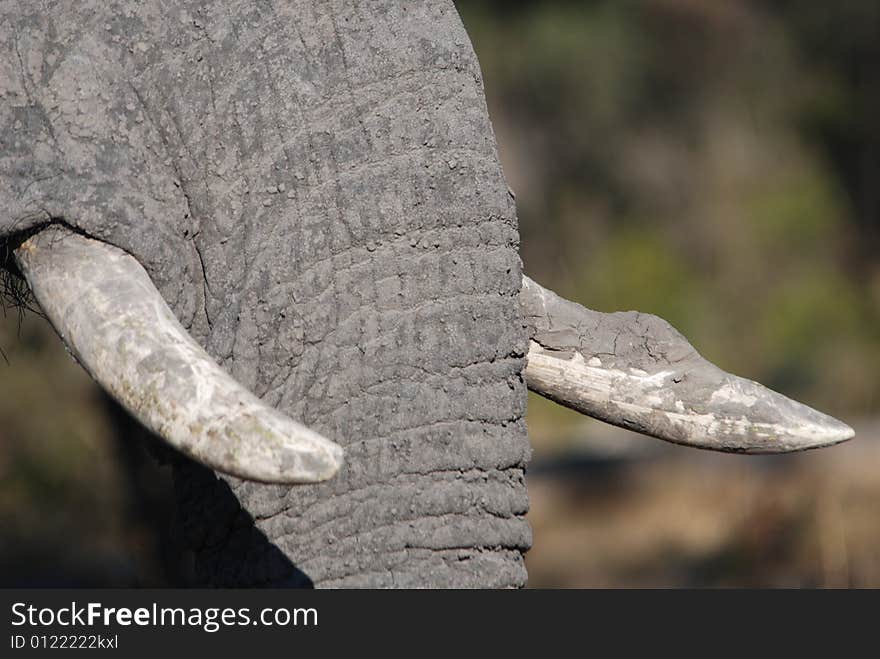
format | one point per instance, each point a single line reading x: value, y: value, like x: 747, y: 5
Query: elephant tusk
x: 636, y: 371
x: 113, y: 320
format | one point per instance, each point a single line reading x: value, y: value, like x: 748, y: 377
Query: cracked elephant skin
x: 314, y: 188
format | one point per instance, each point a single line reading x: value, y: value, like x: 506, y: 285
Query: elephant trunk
x: 441, y: 504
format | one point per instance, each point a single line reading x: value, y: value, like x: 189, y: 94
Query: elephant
x: 278, y: 233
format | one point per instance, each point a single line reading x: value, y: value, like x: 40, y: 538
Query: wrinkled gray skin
x: 315, y: 190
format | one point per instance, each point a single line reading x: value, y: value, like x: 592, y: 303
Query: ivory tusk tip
x: 320, y: 468
x: 745, y: 416
x: 301, y: 457
x: 806, y: 428
x: 753, y: 418
x: 832, y: 432
x: 318, y: 465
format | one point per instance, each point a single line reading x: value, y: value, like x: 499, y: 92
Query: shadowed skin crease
x: 221, y: 532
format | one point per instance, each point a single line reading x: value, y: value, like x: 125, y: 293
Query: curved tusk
x: 111, y: 317
x: 636, y: 371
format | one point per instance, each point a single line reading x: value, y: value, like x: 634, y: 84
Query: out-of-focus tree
x: 840, y: 44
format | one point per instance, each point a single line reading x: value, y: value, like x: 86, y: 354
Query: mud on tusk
x: 636, y: 371
x: 111, y: 317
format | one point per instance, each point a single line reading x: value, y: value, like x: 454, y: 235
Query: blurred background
x: 715, y: 163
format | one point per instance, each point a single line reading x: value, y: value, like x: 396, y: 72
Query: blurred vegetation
x: 697, y: 519
x: 81, y: 503
x: 715, y: 163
